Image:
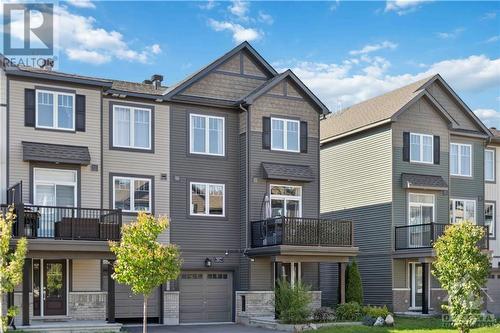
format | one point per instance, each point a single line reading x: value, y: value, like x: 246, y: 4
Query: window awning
x: 425, y: 182
x: 288, y: 172
x: 53, y: 153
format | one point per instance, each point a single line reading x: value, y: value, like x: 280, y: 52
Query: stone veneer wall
x: 18, y: 301
x: 171, y: 308
x: 257, y: 304
x: 87, y: 305
x: 261, y: 304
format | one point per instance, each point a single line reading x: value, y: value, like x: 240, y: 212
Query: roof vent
x: 47, y: 64
x: 147, y: 82
x: 156, y: 80
x: 493, y: 128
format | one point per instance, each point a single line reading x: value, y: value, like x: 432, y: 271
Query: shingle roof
x: 48, y: 152
x: 496, y: 135
x: 287, y: 171
x: 371, y: 111
x: 410, y: 180
x: 136, y: 87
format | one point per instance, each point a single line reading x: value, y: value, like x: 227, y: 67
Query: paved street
x: 227, y: 328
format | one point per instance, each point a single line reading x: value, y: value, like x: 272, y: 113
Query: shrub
x: 376, y: 311
x: 354, y: 287
x: 292, y: 303
x: 324, y: 314
x: 349, y: 311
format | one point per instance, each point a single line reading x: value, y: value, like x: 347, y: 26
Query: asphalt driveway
x: 222, y: 328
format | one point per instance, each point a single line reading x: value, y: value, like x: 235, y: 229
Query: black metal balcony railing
x: 301, y: 232
x: 51, y: 222
x: 421, y: 236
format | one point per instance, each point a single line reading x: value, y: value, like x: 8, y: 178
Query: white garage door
x: 205, y: 297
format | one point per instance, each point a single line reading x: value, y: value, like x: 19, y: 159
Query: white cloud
x: 88, y: 56
x: 239, y: 9
x: 240, y: 33
x: 155, y: 48
x: 490, y: 117
x: 493, y: 39
x: 489, y: 16
x: 374, y: 47
x: 402, y: 7
x: 451, y: 34
x: 334, y: 5
x: 81, y: 3
x: 357, y: 79
x: 265, y: 18
x: 208, y: 5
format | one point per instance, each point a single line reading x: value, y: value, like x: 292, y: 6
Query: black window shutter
x: 266, y: 133
x: 406, y: 146
x: 303, y: 137
x: 80, y: 113
x: 29, y: 107
x: 437, y: 149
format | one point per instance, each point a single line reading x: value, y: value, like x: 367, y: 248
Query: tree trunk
x: 145, y: 315
x: 1, y: 312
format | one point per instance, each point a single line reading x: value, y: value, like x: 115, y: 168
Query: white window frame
x: 493, y: 152
x: 459, y: 157
x: 207, y: 200
x: 132, y: 110
x: 55, y: 109
x: 452, y: 212
x: 412, y: 282
x: 493, y: 230
x: 132, y: 199
x: 207, y: 134
x: 285, y: 197
x: 55, y: 183
x: 421, y: 148
x: 285, y: 134
x: 420, y: 205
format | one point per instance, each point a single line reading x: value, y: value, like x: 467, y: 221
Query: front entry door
x: 54, y: 287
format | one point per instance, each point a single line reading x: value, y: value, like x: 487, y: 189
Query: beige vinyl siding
x: 357, y: 171
x: 19, y: 170
x: 140, y: 163
x: 451, y: 106
x: 399, y: 273
x: 232, y: 65
x: 86, y: 275
x: 250, y: 68
x: 261, y: 274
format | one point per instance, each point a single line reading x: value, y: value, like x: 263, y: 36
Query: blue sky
x: 346, y: 51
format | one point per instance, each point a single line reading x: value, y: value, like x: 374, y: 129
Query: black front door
x: 54, y: 286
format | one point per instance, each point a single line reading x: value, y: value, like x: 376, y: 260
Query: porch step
x: 264, y: 322
x: 73, y: 326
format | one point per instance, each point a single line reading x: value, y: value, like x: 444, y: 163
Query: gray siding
x: 424, y: 119
x: 261, y: 273
x: 202, y: 237
x: 356, y: 184
x: 471, y: 187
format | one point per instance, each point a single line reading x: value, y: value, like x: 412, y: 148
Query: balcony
x: 423, y: 236
x: 295, y: 231
x: 66, y: 223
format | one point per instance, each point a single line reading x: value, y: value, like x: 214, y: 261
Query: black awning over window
x: 288, y: 172
x: 48, y: 152
x: 426, y: 182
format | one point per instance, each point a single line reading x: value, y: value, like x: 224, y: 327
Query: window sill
x: 52, y: 129
x: 133, y: 150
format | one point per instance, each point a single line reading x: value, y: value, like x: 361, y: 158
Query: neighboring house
x: 230, y: 154
x: 403, y: 165
x: 492, y: 216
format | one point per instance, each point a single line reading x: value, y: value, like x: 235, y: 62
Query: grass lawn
x: 407, y: 325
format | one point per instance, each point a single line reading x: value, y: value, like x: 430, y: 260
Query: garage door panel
x: 205, y: 297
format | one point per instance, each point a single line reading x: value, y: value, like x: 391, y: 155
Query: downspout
x: 247, y: 173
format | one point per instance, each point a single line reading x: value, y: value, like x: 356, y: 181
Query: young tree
x: 11, y: 263
x: 141, y: 261
x: 462, y: 270
x: 354, y: 287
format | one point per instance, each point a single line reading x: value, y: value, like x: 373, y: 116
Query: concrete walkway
x: 222, y: 328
